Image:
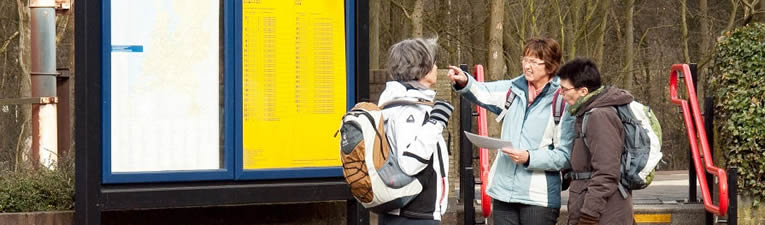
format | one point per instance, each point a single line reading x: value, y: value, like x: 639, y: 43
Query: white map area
x: 165, y: 107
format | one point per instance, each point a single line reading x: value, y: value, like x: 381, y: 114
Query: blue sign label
x: 127, y: 48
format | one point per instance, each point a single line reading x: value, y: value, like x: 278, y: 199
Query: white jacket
x: 416, y: 139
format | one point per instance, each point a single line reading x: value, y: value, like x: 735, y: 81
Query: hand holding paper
x: 488, y: 142
x: 518, y: 156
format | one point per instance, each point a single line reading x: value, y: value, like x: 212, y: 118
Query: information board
x: 165, y: 91
x: 293, y: 82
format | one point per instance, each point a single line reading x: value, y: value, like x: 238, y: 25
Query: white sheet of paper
x: 488, y: 142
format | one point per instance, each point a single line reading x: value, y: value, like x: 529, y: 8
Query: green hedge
x: 30, y: 190
x: 738, y: 85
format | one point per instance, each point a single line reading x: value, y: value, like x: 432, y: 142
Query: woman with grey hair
x: 414, y: 130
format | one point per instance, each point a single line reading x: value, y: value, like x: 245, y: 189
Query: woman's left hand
x: 518, y: 156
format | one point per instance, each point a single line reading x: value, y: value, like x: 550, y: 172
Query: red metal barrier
x: 690, y: 120
x: 483, y: 153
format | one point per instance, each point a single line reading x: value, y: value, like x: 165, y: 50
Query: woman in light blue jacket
x: 524, y: 181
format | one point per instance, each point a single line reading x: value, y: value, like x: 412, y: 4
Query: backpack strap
x: 558, y: 105
x: 401, y: 102
x: 443, y: 173
x: 579, y: 175
x: 583, y: 134
x: 584, y: 124
x: 509, y: 98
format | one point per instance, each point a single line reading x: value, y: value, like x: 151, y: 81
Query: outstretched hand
x: 457, y: 76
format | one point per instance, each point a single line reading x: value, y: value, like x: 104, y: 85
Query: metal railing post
x: 732, y: 195
x: 692, y: 195
x: 709, y: 114
x: 467, y: 181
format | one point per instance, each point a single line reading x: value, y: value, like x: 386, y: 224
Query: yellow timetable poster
x: 293, y: 82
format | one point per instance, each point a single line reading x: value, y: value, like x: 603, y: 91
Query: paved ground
x: 667, y: 193
x: 669, y: 187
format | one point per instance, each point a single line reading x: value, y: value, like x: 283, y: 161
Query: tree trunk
x: 14, y: 83
x: 509, y: 42
x: 704, y: 51
x: 576, y: 21
x: 684, y: 27
x: 562, y: 29
x: 496, y: 58
x: 601, y: 44
x: 417, y: 18
x: 386, y: 31
x: 761, y: 17
x: 629, y: 49
x: 732, y: 17
x: 750, y: 9
x: 374, y: 34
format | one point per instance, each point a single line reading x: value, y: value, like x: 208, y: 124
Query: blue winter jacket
x: 528, y: 127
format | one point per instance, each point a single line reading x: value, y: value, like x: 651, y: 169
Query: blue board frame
x: 225, y: 173
x: 310, y: 172
x: 233, y: 150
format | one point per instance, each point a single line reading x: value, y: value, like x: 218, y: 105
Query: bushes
x: 30, y: 190
x: 739, y: 88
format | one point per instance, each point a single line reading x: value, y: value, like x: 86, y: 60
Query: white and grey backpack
x: 370, y: 166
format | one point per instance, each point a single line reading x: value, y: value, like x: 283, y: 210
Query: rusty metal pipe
x: 43, y: 76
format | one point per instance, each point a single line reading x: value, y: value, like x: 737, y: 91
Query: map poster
x: 165, y: 85
x: 293, y: 82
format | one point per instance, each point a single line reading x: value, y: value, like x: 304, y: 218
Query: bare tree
x: 732, y: 17
x: 704, y: 45
x: 750, y: 9
x: 576, y: 25
x: 417, y: 18
x: 14, y: 82
x: 601, y: 45
x: 496, y: 57
x: 629, y: 36
x: 374, y: 34
x: 762, y: 12
x: 684, y: 24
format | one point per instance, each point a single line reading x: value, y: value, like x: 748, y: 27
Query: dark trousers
x: 387, y: 219
x: 505, y: 213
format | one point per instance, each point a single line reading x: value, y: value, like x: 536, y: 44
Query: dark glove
x: 441, y: 112
x: 588, y: 220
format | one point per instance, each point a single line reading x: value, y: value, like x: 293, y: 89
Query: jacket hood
x: 610, y: 97
x: 395, y: 90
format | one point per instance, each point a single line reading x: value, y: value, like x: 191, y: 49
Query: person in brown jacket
x: 594, y: 197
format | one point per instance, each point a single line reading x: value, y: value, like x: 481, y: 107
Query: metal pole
x: 43, y: 76
x: 732, y: 196
x: 356, y: 213
x: 708, y: 217
x: 467, y: 181
x: 709, y: 114
x: 88, y: 19
x: 692, y: 197
x: 64, y: 87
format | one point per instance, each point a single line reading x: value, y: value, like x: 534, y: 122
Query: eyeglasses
x: 565, y: 89
x: 532, y: 61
